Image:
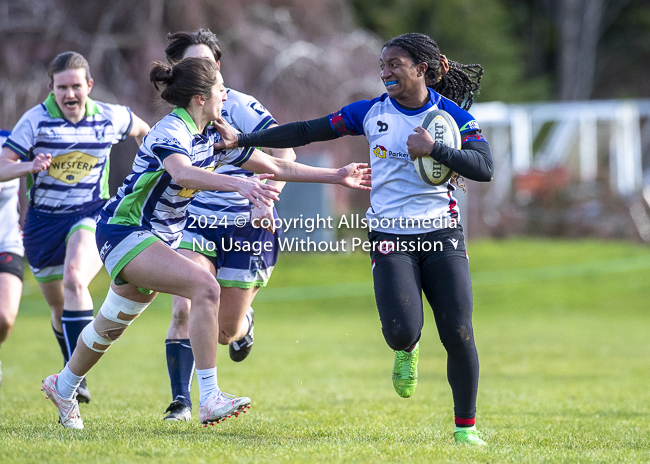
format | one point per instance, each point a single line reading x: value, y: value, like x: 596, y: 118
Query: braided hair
x: 458, y: 84
x: 461, y: 81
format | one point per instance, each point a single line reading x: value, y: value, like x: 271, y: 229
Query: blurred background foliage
x: 532, y: 50
x: 305, y: 59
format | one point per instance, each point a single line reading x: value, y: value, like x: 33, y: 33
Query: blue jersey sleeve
x: 349, y: 119
x: 464, y: 120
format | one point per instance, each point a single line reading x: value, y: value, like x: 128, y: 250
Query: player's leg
x: 45, y: 238
x: 398, y: 294
x: 11, y: 286
x: 242, y: 272
x: 156, y: 267
x: 447, y: 286
x: 53, y: 293
x: 178, y: 349
x: 191, y: 281
x: 81, y: 265
x: 236, y: 317
x: 122, y: 305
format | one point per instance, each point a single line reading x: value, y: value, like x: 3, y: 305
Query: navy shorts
x: 243, y: 256
x: 118, y: 244
x: 46, y: 238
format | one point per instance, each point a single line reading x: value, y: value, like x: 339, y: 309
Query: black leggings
x: 399, y: 279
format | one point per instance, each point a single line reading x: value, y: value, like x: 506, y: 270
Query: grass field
x: 562, y: 331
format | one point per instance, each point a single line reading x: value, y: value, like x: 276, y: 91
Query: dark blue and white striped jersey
x: 245, y: 114
x: 149, y: 197
x: 77, y: 179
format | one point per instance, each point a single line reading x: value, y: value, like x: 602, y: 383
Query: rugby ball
x: 443, y: 129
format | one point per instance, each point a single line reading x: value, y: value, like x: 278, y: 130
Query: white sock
x: 67, y: 383
x: 207, y: 383
x: 248, y: 319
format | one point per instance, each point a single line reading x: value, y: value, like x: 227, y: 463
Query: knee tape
x: 115, y: 315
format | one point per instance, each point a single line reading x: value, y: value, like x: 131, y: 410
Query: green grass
x: 562, y: 331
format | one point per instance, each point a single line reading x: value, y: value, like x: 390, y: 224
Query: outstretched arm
x: 191, y: 177
x: 266, y: 212
x: 290, y: 135
x: 354, y: 175
x: 11, y: 167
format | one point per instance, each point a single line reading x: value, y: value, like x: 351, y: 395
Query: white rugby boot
x: 69, y: 416
x: 220, y: 406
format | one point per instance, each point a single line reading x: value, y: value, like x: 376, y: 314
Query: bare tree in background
x: 300, y: 59
x: 579, y: 23
x: 582, y: 24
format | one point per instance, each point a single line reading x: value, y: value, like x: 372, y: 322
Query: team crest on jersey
x: 257, y: 107
x: 379, y: 151
x: 72, y: 167
x: 255, y: 265
x: 100, y: 132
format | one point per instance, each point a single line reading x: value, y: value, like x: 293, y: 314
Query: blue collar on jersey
x: 55, y: 112
x: 187, y: 119
x: 434, y: 99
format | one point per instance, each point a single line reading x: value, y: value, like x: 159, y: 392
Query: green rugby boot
x: 405, y: 371
x: 469, y: 436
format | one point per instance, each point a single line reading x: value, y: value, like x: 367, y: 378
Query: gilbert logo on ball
x: 443, y: 129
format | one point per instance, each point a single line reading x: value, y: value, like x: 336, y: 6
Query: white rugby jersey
x: 398, y: 192
x: 245, y: 114
x: 149, y: 196
x: 11, y: 238
x: 77, y: 179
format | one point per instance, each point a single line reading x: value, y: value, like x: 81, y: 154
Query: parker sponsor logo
x: 381, y: 152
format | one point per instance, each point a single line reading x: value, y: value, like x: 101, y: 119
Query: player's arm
x: 354, y: 175
x: 266, y: 212
x: 11, y: 167
x: 295, y: 134
x: 139, y: 129
x: 473, y: 161
x: 187, y: 176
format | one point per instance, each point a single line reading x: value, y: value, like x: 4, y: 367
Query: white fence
x: 519, y: 126
x: 605, y: 140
